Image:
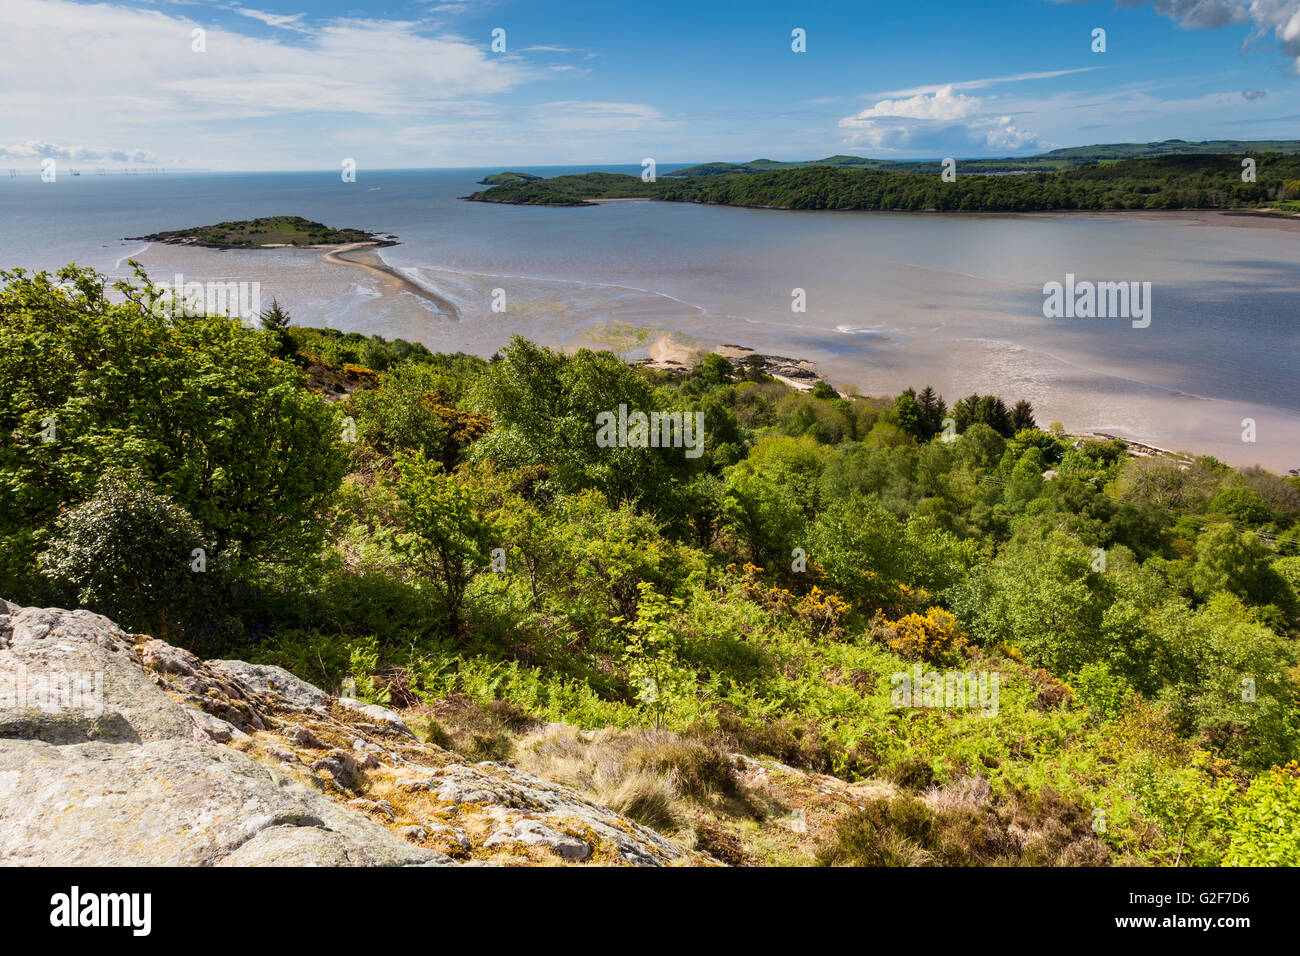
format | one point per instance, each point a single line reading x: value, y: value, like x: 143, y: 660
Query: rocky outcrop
x: 119, y: 749
x: 667, y: 354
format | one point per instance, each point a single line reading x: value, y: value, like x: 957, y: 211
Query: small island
x: 268, y: 232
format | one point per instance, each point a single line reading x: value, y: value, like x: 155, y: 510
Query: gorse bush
x: 933, y: 636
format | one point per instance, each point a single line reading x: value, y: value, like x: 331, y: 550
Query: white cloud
x: 939, y: 116
x: 89, y: 65
x: 284, y: 21
x: 1281, y: 18
x: 257, y: 98
x: 941, y: 119
x: 1004, y: 134
x: 986, y: 82
x: 36, y: 150
x: 942, y: 104
x: 586, y: 116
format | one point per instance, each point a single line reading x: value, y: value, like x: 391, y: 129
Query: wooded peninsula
x: 1265, y: 181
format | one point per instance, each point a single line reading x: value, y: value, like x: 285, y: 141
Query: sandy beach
x: 391, y: 281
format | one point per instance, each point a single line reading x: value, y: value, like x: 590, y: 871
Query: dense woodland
x: 1163, y: 182
x: 347, y: 494
x: 1064, y: 158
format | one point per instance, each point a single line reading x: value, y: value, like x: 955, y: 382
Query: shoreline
x: 336, y: 255
x: 1252, y: 218
x: 1172, y: 429
x: 233, y: 247
x: 669, y: 353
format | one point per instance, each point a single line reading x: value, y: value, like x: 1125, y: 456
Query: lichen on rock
x: 179, y: 761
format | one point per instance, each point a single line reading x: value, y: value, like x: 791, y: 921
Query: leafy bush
x: 1263, y: 821
x: 133, y: 555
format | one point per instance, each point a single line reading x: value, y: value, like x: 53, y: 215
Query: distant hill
x: 767, y: 165
x: 1065, y: 158
x: 1171, y: 147
x: 498, y: 179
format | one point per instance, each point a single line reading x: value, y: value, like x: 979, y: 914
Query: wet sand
x: 962, y: 318
x: 1232, y: 218
x: 391, y: 281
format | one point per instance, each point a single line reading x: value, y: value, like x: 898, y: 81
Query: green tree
x: 199, y: 406
x: 1044, y: 598
x: 1241, y: 504
x: 413, y: 410
x: 653, y: 664
x: 1264, y: 822
x: 1227, y: 560
x: 130, y: 554
x: 934, y: 408
x: 910, y: 416
x: 544, y: 408
x: 861, y: 547
x: 765, y: 513
x: 449, y: 530
x: 274, y: 317
x: 1022, y: 417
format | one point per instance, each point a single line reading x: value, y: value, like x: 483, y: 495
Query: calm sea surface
x: 892, y: 299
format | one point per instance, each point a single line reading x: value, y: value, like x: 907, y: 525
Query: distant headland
x: 500, y: 179
x: 1260, y: 176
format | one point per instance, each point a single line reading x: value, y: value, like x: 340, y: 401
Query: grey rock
x: 127, y: 751
x: 385, y: 716
x: 277, y: 682
x: 173, y: 803
x: 201, y: 687
x: 460, y: 791
x: 453, y: 833
x: 342, y: 766
x: 536, y: 832
x: 73, y: 676
x: 214, y: 728
x: 512, y: 788
x: 303, y: 737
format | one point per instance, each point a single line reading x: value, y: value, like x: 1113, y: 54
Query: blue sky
x: 285, y: 84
